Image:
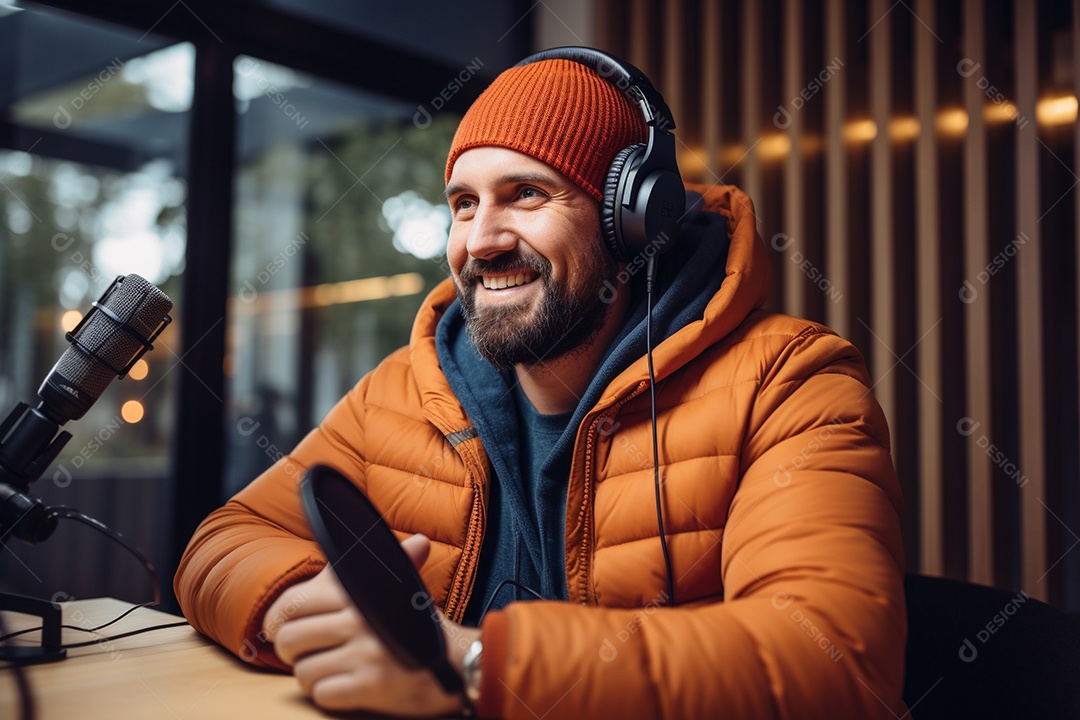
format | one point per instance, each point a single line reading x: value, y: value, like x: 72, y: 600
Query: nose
x: 490, y: 233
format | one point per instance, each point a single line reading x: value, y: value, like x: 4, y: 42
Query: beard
x: 564, y: 320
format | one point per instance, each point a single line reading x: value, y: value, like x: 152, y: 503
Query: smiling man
x: 510, y: 446
x: 530, y: 288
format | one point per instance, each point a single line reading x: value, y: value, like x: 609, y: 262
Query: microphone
x: 109, y: 340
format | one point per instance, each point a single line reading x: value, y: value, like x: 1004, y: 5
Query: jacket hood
x: 744, y: 288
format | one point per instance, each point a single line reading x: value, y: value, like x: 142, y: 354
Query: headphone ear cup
x: 611, y: 207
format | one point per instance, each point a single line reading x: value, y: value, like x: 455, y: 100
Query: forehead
x: 495, y: 165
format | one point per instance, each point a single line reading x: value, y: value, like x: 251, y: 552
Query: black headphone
x: 644, y: 198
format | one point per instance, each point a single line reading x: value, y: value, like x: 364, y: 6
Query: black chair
x: 980, y: 652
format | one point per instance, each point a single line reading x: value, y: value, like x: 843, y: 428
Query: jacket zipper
x: 587, y: 595
x: 457, y: 596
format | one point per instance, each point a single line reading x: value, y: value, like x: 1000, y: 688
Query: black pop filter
x: 374, y: 569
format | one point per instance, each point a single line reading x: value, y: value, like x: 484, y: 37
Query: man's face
x: 526, y: 254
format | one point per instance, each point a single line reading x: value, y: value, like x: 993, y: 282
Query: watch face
x: 470, y: 669
x: 376, y: 573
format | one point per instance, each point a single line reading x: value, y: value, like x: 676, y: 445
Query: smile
x: 508, y: 281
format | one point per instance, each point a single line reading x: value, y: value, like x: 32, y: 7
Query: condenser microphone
x: 117, y: 331
x: 104, y: 346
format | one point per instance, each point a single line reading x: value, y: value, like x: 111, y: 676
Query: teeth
x: 506, y: 281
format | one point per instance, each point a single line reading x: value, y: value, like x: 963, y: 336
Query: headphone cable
x: 650, y: 277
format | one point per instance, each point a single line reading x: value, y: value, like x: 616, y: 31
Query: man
x: 510, y: 446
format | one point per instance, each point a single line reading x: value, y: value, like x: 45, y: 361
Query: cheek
x: 456, y: 251
x: 584, y: 255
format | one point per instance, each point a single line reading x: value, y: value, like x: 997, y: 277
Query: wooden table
x: 171, y: 673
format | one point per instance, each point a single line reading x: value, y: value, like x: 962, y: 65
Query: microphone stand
x: 28, y: 445
x: 51, y: 649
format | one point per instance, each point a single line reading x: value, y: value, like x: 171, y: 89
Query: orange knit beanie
x: 557, y: 111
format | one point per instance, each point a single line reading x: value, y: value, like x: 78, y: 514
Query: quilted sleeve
x: 248, y: 551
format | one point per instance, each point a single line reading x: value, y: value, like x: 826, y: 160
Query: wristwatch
x: 470, y: 671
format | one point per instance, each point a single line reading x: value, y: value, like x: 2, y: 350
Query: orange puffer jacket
x: 781, y: 509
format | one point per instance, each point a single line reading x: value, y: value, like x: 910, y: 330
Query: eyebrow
x: 513, y: 179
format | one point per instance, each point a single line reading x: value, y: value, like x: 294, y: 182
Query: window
x: 340, y: 231
x: 326, y: 192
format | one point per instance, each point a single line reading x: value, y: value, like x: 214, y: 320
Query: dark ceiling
x: 374, y: 60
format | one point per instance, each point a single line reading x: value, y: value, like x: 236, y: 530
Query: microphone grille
x: 136, y: 302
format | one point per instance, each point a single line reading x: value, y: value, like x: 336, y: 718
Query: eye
x: 530, y: 193
x: 462, y: 205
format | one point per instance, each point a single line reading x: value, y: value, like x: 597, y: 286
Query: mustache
x: 509, y: 261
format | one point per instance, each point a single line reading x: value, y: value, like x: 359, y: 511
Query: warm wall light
x: 732, y: 155
x: 69, y: 320
x: 860, y: 131
x: 952, y: 122
x: 139, y: 370
x: 1000, y: 112
x: 691, y: 161
x: 132, y: 411
x: 1056, y: 111
x: 1050, y: 111
x: 903, y: 128
x: 774, y: 146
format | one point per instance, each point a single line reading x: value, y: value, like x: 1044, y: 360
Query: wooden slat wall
x: 712, y: 108
x: 837, y: 242
x: 977, y: 337
x: 916, y: 167
x: 886, y: 358
x: 750, y: 101
x: 928, y: 302
x: 794, y: 177
x: 1029, y: 282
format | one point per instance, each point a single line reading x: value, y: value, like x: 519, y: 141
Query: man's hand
x: 340, y: 662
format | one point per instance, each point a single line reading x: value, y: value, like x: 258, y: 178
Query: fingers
x: 317, y: 633
x: 384, y: 693
x: 358, y: 661
x: 323, y: 593
x: 342, y: 692
x: 337, y: 659
x: 362, y: 675
x: 320, y: 594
